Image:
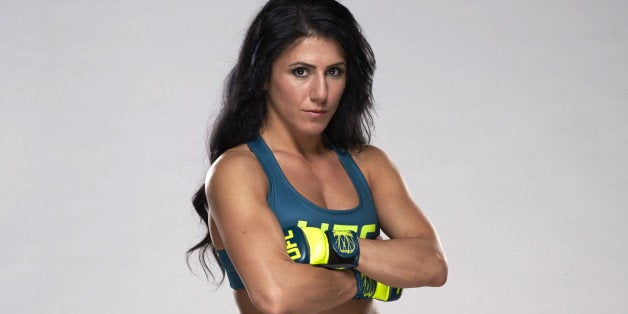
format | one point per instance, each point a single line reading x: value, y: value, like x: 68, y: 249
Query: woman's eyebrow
x: 307, y: 65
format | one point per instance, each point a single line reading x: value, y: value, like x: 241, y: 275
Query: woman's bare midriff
x: 351, y: 307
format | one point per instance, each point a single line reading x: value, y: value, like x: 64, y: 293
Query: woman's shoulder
x: 238, y: 163
x: 369, y: 155
x: 373, y: 162
x: 235, y: 155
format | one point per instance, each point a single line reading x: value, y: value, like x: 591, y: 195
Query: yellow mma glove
x: 330, y: 249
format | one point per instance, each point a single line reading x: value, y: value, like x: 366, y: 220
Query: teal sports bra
x: 293, y: 209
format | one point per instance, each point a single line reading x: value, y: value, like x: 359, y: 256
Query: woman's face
x: 306, y: 83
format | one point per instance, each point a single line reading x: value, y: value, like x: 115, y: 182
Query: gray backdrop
x: 507, y: 119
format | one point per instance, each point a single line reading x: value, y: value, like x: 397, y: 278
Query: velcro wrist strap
x: 360, y: 286
x: 344, y: 247
x: 366, y: 286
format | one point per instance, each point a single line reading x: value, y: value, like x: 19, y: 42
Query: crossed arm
x: 413, y: 257
x: 248, y: 230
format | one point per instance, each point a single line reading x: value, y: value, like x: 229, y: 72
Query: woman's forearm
x: 403, y: 262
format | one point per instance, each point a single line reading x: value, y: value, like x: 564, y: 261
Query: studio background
x: 506, y: 118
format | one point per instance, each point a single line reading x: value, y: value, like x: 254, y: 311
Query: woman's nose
x: 319, y: 90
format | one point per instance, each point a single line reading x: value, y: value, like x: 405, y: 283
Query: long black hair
x: 278, y: 25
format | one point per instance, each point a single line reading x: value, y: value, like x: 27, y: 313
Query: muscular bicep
x: 398, y: 213
x: 413, y: 257
x: 247, y: 228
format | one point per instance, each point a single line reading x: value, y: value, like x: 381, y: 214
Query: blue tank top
x: 293, y: 209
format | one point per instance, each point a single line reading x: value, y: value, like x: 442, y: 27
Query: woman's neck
x: 301, y: 144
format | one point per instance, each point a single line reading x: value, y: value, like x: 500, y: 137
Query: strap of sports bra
x: 266, y: 158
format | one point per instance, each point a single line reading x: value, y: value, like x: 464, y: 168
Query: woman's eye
x: 334, y: 72
x: 300, y: 72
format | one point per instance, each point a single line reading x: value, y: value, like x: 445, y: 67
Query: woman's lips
x: 315, y: 113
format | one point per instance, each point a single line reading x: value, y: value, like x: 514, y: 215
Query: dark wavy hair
x: 278, y: 25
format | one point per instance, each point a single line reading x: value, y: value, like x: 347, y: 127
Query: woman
x: 290, y: 150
